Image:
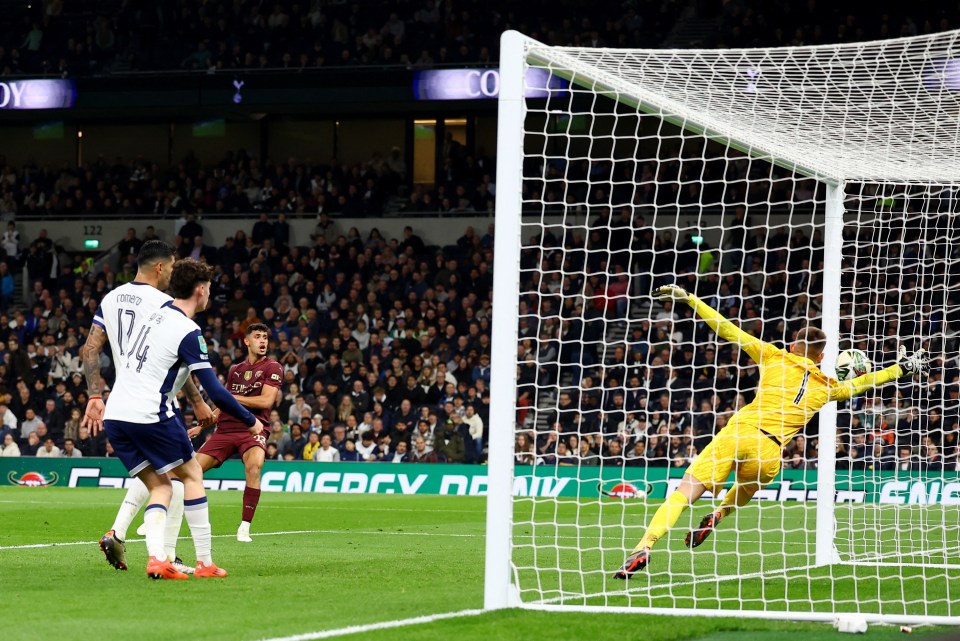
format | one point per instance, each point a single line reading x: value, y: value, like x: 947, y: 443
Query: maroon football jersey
x: 245, y: 379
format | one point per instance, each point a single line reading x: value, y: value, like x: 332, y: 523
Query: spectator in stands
x: 31, y: 445
x: 49, y: 448
x: 420, y: 453
x: 10, y: 447
x: 299, y: 411
x: 586, y: 455
x: 523, y: 453
x: 367, y: 447
x: 130, y: 246
x: 905, y: 461
x: 349, y: 451
x: 8, y: 420
x: 931, y: 460
x: 7, y: 286
x: 448, y: 444
x: 312, y: 445
x: 71, y: 427
x: 278, y: 436
x: 70, y: 450
x: 400, y: 454
x: 31, y: 422
x: 273, y: 454
x: 475, y: 426
x: 879, y: 457
x: 87, y: 445
x: 297, y: 443
x: 53, y: 419
x: 326, y: 453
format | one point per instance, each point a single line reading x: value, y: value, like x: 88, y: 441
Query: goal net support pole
x: 826, y: 470
x: 499, y: 591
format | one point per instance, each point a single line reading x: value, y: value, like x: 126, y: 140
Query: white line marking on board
x: 383, y: 625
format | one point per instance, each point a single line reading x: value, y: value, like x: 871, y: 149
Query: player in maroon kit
x: 255, y: 382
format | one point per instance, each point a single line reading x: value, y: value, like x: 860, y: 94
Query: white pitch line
x: 341, y: 532
x: 270, y: 507
x: 283, y: 533
x: 384, y: 625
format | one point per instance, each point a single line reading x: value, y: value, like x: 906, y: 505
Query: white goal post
x: 783, y: 185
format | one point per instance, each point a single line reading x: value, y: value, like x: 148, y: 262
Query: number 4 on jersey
x: 140, y: 348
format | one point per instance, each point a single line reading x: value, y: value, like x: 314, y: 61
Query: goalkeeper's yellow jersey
x: 792, y: 388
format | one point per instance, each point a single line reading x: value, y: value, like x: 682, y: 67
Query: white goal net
x: 783, y: 187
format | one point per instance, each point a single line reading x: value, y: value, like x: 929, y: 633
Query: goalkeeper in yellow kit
x: 792, y: 389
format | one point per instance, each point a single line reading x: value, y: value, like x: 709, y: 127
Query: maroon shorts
x: 223, y: 445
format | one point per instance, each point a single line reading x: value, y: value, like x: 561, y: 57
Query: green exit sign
x: 91, y: 243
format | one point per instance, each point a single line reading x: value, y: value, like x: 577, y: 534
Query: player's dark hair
x: 257, y: 327
x: 187, y: 274
x: 814, y: 338
x: 153, y: 251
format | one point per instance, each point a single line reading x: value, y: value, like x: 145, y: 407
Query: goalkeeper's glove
x: 915, y: 364
x: 671, y: 293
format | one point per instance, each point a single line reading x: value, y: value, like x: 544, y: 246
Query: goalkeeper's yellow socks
x: 738, y: 496
x: 664, y: 519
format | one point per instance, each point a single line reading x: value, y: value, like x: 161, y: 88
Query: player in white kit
x: 147, y: 432
x: 119, y: 312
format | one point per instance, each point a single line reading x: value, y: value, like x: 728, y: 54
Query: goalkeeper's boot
x: 695, y: 537
x: 634, y: 563
x: 114, y: 549
x: 163, y: 569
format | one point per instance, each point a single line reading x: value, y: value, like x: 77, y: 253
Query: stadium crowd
x: 386, y: 345
x: 241, y: 184
x: 99, y: 37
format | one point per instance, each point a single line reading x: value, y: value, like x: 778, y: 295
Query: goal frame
x: 500, y: 589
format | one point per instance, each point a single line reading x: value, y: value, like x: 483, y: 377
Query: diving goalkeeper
x: 792, y: 389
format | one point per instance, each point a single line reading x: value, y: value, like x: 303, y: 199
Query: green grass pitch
x: 762, y: 557
x: 345, y: 560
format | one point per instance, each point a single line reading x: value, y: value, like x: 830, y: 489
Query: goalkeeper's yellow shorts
x: 744, y: 448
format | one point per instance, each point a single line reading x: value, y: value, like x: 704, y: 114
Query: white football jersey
x: 164, y: 347
x: 122, y: 310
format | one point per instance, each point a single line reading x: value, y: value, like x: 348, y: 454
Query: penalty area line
x: 370, y: 627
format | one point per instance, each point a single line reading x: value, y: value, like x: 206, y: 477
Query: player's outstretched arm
x: 723, y: 327
x: 907, y: 365
x: 201, y: 411
x: 225, y: 402
x: 193, y: 353
x: 90, y: 358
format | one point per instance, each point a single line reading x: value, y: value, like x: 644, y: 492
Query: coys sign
x: 37, y: 94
